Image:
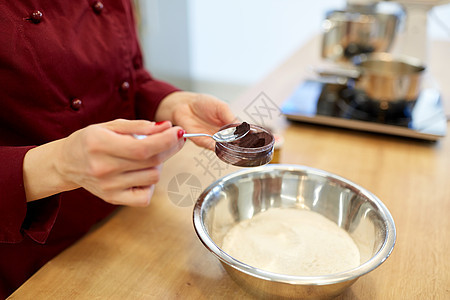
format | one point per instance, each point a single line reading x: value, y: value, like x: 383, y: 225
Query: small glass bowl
x: 246, y: 157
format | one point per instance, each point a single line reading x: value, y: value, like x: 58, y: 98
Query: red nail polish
x: 180, y: 133
x: 160, y: 123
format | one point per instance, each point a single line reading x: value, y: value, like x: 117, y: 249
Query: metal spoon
x: 224, y: 136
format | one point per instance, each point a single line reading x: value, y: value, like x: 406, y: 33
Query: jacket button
x: 36, y: 16
x: 76, y: 104
x: 123, y: 90
x: 97, y: 7
x: 124, y: 87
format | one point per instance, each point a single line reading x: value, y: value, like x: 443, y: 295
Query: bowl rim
x: 377, y: 259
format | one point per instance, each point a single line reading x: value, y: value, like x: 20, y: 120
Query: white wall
x: 439, y: 23
x: 239, y: 41
x: 165, y: 38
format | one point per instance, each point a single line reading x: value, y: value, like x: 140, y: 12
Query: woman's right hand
x: 105, y: 159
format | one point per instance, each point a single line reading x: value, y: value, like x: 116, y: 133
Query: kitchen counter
x: 154, y: 253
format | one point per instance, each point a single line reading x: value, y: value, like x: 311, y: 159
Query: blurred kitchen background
x: 223, y: 47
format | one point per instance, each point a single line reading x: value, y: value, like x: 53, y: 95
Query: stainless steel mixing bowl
x: 244, y: 194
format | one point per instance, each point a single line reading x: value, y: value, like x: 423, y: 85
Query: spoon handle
x: 188, y: 135
x: 140, y: 136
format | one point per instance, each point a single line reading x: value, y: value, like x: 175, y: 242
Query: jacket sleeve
x: 17, y: 217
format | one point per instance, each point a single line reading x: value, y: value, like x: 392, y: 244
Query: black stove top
x: 342, y: 106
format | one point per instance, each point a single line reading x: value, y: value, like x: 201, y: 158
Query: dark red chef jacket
x: 63, y: 65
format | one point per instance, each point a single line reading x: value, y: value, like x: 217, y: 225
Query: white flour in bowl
x: 292, y: 242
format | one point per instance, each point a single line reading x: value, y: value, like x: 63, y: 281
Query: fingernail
x: 180, y: 133
x: 160, y: 123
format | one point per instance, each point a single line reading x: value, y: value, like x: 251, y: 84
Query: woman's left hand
x: 196, y: 113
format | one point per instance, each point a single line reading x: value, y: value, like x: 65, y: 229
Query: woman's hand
x: 196, y: 113
x: 104, y: 159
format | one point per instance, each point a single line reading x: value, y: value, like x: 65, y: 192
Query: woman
x: 73, y: 92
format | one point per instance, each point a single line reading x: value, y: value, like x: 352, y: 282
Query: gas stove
x: 338, y: 105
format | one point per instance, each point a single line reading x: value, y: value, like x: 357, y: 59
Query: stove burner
x: 339, y: 105
x: 355, y: 104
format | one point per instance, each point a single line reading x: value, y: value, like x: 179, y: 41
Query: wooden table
x: 154, y: 253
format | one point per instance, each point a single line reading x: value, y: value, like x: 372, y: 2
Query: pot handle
x: 349, y: 73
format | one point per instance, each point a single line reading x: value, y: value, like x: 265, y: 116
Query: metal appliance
x: 362, y: 29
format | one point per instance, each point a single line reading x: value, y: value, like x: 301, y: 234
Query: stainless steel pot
x: 349, y: 33
x: 385, y: 77
x: 382, y: 76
